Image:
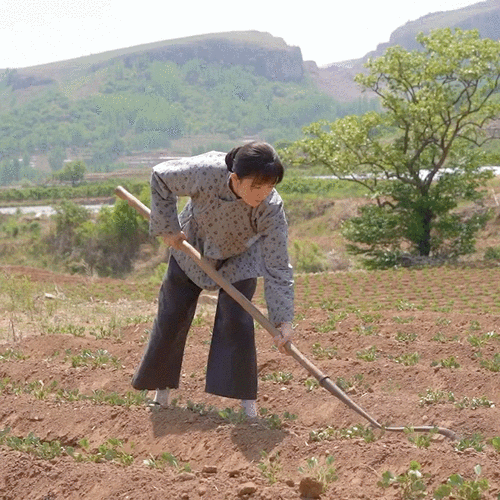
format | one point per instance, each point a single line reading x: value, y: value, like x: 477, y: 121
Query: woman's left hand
x: 286, y: 330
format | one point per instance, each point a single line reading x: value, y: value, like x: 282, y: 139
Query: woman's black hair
x: 257, y: 160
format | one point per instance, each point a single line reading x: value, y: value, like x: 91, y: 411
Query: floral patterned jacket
x: 240, y: 241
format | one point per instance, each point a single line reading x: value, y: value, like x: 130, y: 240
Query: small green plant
x: 368, y: 317
x: 366, y: 330
x: 369, y: 354
x: 311, y: 384
x: 435, y: 397
x: 167, y: 459
x: 419, y: 440
x: 70, y: 329
x: 320, y: 352
x: 269, y: 466
x: 199, y: 320
x: 408, y: 359
x: 278, y: 377
x: 232, y: 416
x: 110, y: 451
x: 495, y: 442
x: 31, y: 444
x: 348, y: 384
x: 324, y: 473
x: 492, y: 364
x: 459, y: 488
x: 331, y: 433
x: 443, y: 321
x: 406, y: 337
x: 200, y: 408
x: 474, y: 403
x: 474, y: 325
x: 411, y: 483
x: 492, y: 253
x: 100, y: 359
x: 476, y: 442
x: 450, y: 363
x: 12, y: 355
x: 402, y: 320
x: 111, y: 331
x: 330, y: 324
x: 480, y: 340
x: 440, y: 337
x: 404, y: 305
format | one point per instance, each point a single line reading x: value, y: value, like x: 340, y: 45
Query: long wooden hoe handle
x: 290, y: 348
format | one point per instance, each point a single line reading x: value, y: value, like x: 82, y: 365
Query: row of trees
x: 422, y: 155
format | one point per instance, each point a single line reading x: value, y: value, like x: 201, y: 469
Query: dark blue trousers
x: 232, y: 360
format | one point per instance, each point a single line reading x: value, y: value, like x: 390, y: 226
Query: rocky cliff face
x: 269, y: 56
x: 483, y: 16
x: 283, y: 64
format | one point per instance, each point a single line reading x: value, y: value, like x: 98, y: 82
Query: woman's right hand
x: 175, y: 240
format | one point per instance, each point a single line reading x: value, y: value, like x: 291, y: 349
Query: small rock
x: 209, y: 469
x: 202, y: 490
x: 310, y: 487
x: 234, y: 473
x: 290, y: 482
x: 185, y: 496
x: 247, y: 489
x: 265, y: 397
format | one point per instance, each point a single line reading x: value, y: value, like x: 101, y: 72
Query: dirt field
x: 365, y: 330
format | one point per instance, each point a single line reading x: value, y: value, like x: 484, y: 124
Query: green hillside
x: 179, y: 96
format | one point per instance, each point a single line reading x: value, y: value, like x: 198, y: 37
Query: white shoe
x: 249, y: 407
x: 162, y: 397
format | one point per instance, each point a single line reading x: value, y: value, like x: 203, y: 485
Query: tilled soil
x: 447, y: 318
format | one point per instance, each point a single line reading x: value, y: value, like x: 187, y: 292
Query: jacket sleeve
x: 278, y: 272
x: 169, y: 180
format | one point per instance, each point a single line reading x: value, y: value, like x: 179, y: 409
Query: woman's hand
x: 286, y: 330
x: 175, y: 240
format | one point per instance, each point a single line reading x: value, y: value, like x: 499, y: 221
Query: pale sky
x: 42, y: 31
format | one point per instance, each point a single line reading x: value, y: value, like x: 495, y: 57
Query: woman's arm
x: 183, y: 177
x: 278, y: 273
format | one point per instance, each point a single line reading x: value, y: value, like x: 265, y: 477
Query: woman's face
x: 250, y: 193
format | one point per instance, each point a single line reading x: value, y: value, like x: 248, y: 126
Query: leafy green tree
x: 422, y: 154
x: 73, y: 171
x: 110, y: 245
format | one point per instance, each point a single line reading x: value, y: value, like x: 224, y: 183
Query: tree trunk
x: 424, y: 243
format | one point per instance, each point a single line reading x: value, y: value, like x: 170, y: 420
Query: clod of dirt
x: 247, y: 489
x: 209, y: 469
x: 310, y: 487
x: 186, y: 476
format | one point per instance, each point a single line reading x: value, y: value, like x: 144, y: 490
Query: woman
x: 235, y: 219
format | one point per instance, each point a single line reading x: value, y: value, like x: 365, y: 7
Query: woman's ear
x: 235, y: 182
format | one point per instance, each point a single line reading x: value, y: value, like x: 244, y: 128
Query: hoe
x: 290, y: 348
